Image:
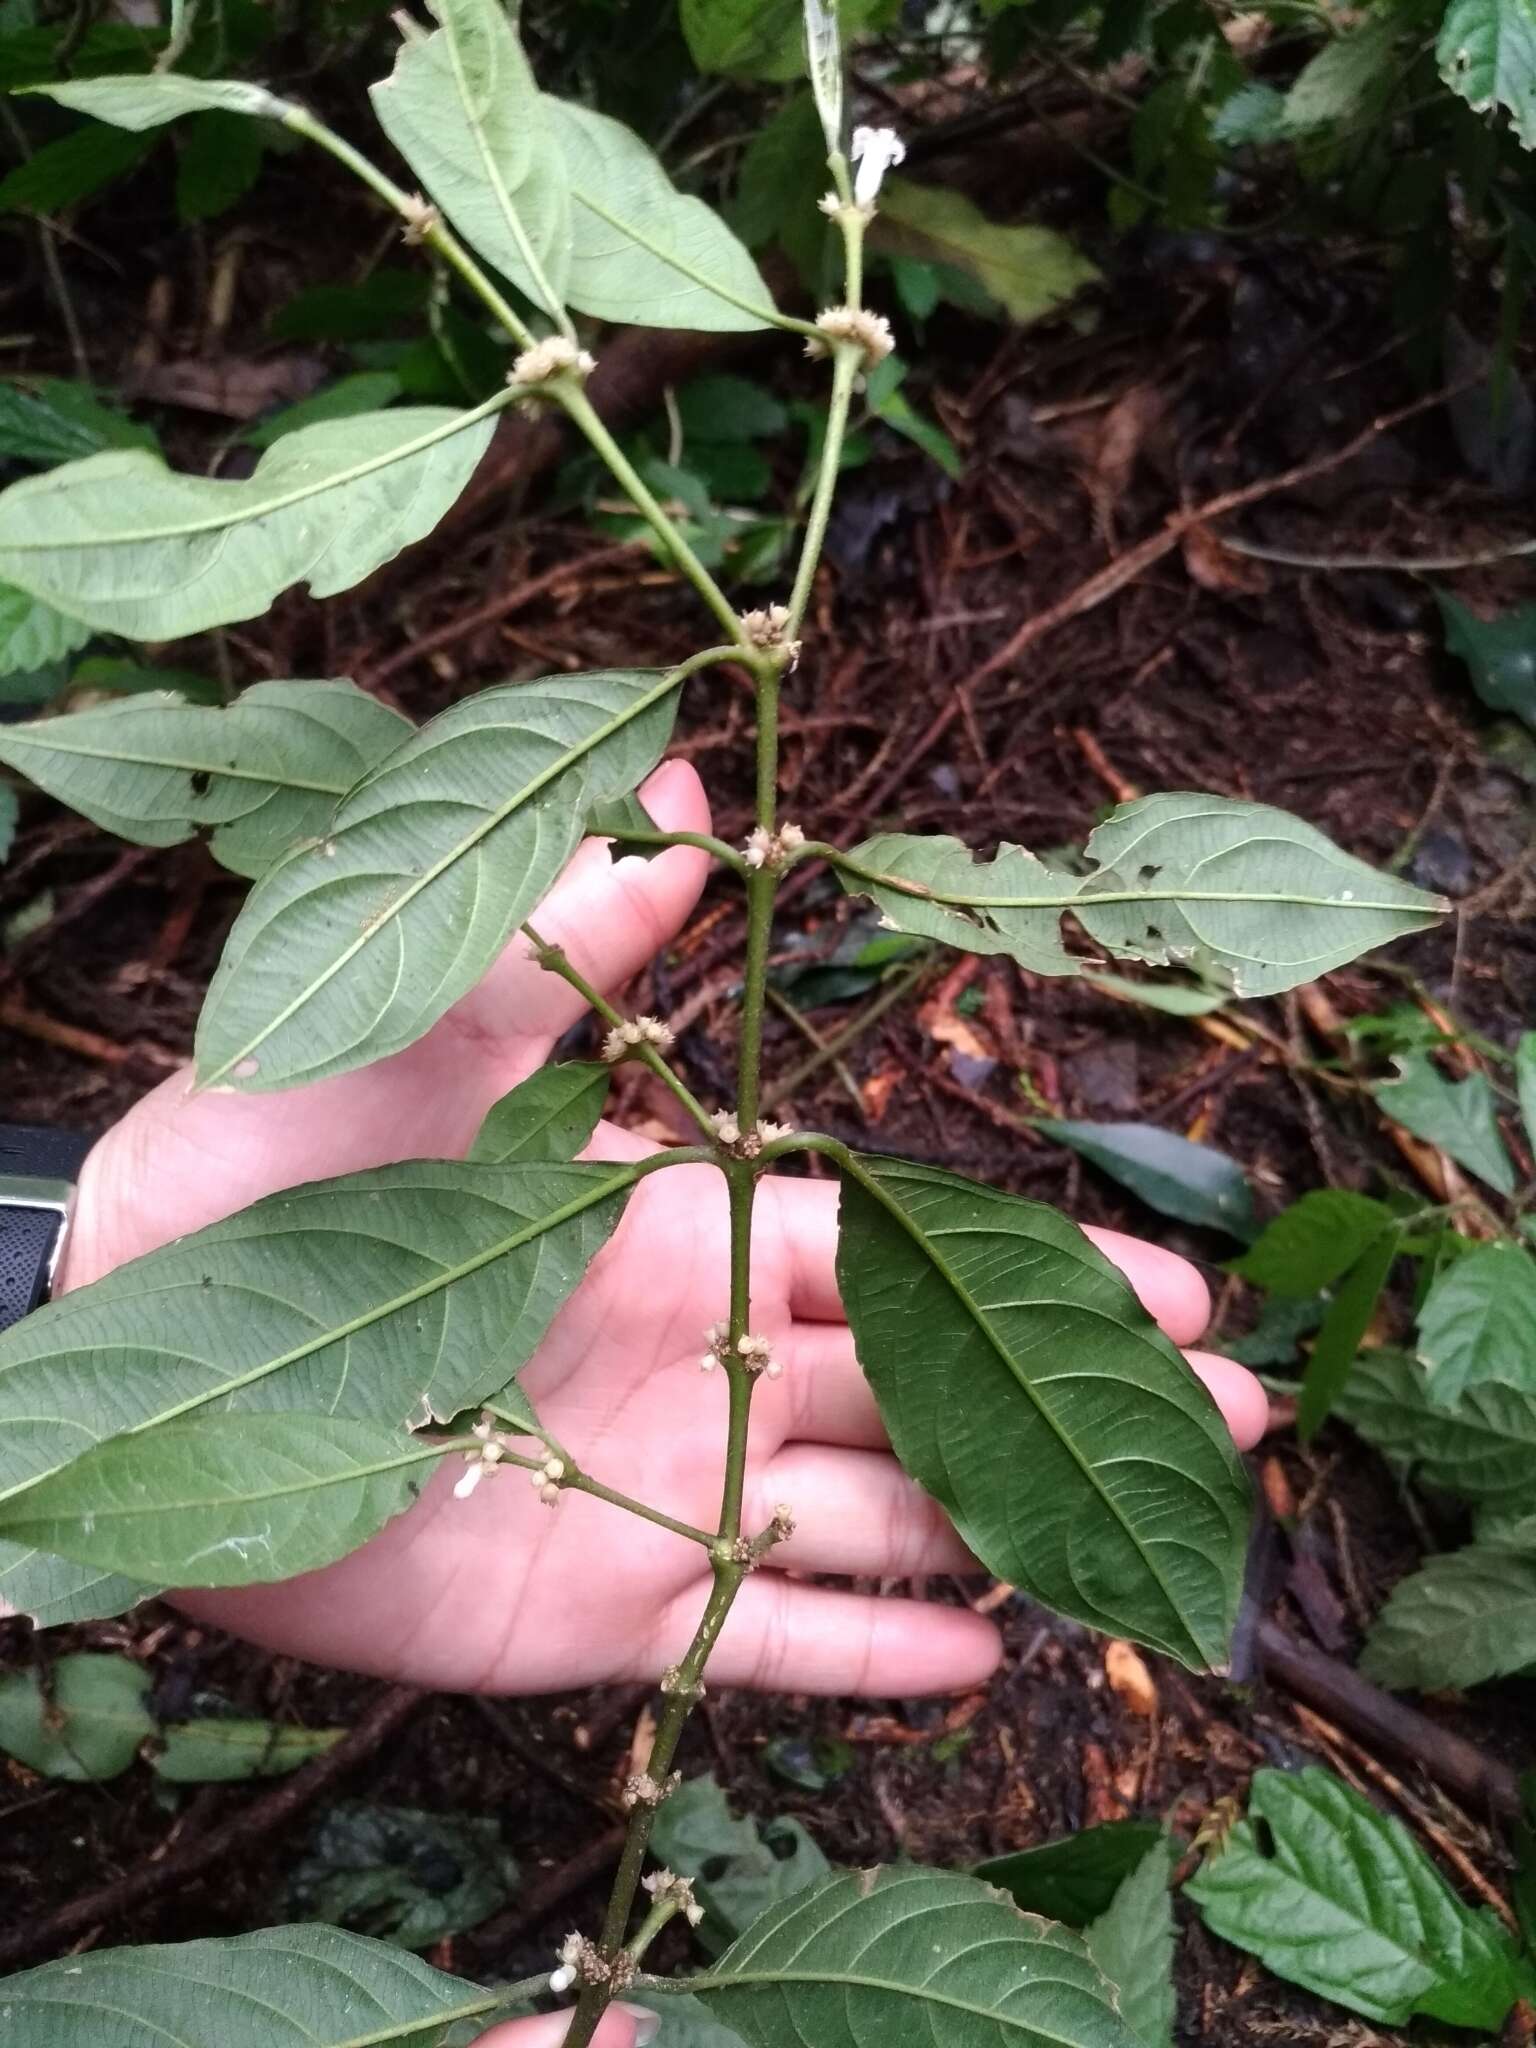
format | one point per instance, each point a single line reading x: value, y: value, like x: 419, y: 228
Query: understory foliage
x: 259, y: 1398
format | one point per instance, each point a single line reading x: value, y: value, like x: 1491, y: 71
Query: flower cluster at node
x: 756, y: 1354
x: 641, y: 1789
x: 545, y: 1480
x: 546, y: 360
x: 767, y: 627
x: 664, y: 1884
x: 875, y: 151
x: 782, y: 1527
x: 765, y: 849
x: 871, y: 332
x: 490, y: 1454
x: 746, y: 1145
x: 420, y: 217
x: 624, y: 1039
x: 673, y: 1682
x: 582, y: 1961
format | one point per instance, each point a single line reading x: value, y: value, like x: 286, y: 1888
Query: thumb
x: 622, y: 2026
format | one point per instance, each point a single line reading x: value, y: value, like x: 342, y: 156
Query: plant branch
x: 718, y: 849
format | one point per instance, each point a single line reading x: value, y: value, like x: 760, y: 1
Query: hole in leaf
x: 1264, y: 1837
x: 1149, y: 873
x: 1153, y: 932
x: 714, y: 1869
x: 200, y: 781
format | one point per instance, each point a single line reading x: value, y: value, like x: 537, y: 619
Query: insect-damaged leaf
x: 998, y: 1342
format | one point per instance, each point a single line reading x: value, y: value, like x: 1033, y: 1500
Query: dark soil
x: 1210, y: 366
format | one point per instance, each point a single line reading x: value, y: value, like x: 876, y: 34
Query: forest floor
x: 1187, y: 667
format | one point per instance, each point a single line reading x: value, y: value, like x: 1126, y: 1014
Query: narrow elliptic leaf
x: 1487, y: 54
x: 1338, y: 1897
x: 224, y: 1500
x: 1465, y: 1616
x: 71, y: 169
x: 391, y: 1296
x: 907, y: 1954
x: 1195, y: 1183
x: 1482, y: 1450
x: 53, y: 1591
x: 1076, y: 1879
x: 129, y: 546
x: 462, y: 108
x: 1458, y: 1116
x: 216, y: 1751
x: 998, y: 1342
x: 1030, y: 270
x: 32, y: 633
x: 739, y: 1867
x: 1132, y: 1943
x: 1313, y: 1243
x: 1478, y: 1323
x: 1237, y: 892
x: 155, y: 97
x: 551, y: 1115
x: 352, y: 948
x: 259, y: 776
x: 286, y: 1987
x: 86, y: 1724
x: 1525, y: 1081
x: 641, y: 251
x: 1342, y: 1333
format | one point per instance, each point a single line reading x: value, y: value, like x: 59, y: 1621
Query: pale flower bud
x: 871, y: 331
x: 546, y: 360
x: 725, y: 1127
x: 875, y: 151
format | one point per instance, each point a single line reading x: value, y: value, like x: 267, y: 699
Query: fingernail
x: 647, y: 2023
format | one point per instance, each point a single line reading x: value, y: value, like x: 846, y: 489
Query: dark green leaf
x: 1500, y: 654
x: 224, y: 1500
x: 109, y: 673
x: 73, y: 169
x: 1525, y: 1082
x: 1195, y: 1183
x: 1478, y: 1323
x: 1076, y: 1879
x: 1338, y: 1897
x: 686, y: 2021
x: 400, y: 1875
x: 740, y: 1868
x: 1463, y: 1617
x: 1030, y: 270
x: 85, y: 1724
x: 551, y: 1115
x: 1342, y: 1332
x: 390, y: 301
x: 998, y: 1341
x: 9, y: 810
x: 906, y: 1954
x: 364, y: 391
x: 287, y: 1987
x: 1458, y: 1116
x: 219, y: 1750
x: 1313, y: 1243
x: 33, y: 635
x: 1276, y: 1336
x: 727, y: 408
x: 1132, y: 1943
x: 1483, y: 1450
x: 219, y: 163
x: 61, y: 422
x: 783, y: 173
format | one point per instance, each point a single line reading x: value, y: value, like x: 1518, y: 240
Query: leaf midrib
x: 491, y: 823
x: 38, y: 739
x: 857, y: 1981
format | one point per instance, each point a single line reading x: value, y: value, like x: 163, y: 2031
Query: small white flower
x: 562, y: 1979
x: 768, y: 1132
x: 759, y: 847
x: 725, y: 1127
x: 875, y: 151
x: 548, y: 359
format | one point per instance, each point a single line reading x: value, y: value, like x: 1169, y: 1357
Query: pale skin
x: 499, y: 1593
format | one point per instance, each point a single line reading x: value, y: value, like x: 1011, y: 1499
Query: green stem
x: 578, y: 1482
x: 741, y: 1181
x: 849, y: 359
x: 717, y: 849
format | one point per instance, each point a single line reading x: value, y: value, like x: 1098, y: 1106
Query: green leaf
x: 1525, y: 1860
x: 1132, y: 1943
x: 1076, y: 1879
x: 907, y: 1953
x: 1339, y: 1898
x: 1500, y: 654
x: 1458, y: 1116
x: 1478, y: 1323
x: 1345, y: 82
x: 224, y: 1500
x: 33, y: 634
x: 1487, y: 54
x: 1463, y: 1617
x: 66, y: 173
x: 149, y: 100
x: 762, y: 38
x: 782, y: 174
x: 220, y: 161
x: 390, y: 1296
x: 1194, y: 1183
x: 1031, y: 271
x: 1238, y: 892
x: 551, y: 1115
x: 85, y: 1726
x: 1525, y: 1082
x: 727, y: 408
x: 62, y: 421
x: 1342, y: 1332
x: 364, y: 391
x: 687, y: 2021
x: 132, y: 547
x: 740, y: 1868
x: 351, y: 949
x: 1174, y: 999
x: 264, y: 773
x: 462, y: 108
x: 903, y: 418
x: 1483, y: 1450
x: 1255, y: 113
x: 401, y: 1875
x: 998, y: 1341
x: 51, y: 1591
x: 107, y: 673
x: 642, y: 252
x: 9, y: 811
x: 1313, y: 1243
x: 218, y: 1751
x: 392, y: 301
x: 286, y: 1987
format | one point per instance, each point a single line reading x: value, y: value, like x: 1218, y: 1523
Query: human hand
x: 499, y: 1593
